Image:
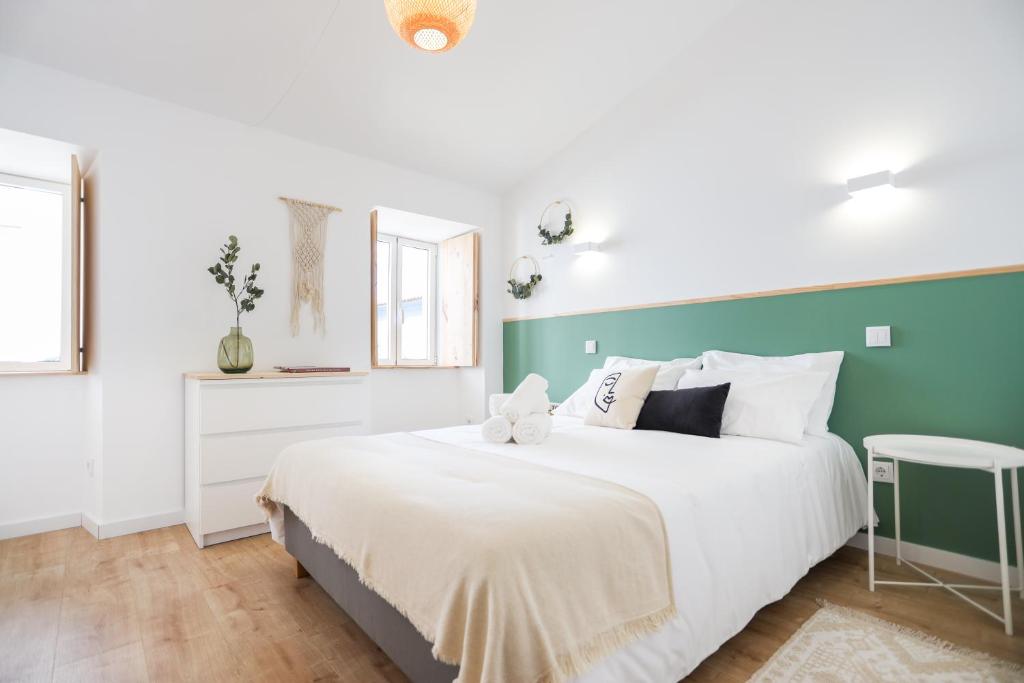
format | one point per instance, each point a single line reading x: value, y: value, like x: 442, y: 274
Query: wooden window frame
x: 394, y: 305
x: 436, y: 304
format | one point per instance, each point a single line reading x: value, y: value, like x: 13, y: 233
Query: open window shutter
x: 460, y: 306
x: 77, y: 271
x: 373, y: 288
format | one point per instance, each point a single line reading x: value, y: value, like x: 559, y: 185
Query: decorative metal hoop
x: 512, y: 270
x: 544, y: 214
x: 520, y: 289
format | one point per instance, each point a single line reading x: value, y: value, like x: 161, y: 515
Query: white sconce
x: 882, y: 180
x: 586, y: 248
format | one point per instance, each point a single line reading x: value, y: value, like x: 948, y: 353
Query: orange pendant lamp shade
x: 431, y: 25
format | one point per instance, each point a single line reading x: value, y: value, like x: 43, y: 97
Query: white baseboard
x: 98, y: 529
x: 985, y: 570
x: 38, y: 526
x: 90, y: 525
x: 133, y: 525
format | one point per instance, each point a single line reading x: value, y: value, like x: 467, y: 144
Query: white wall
x: 43, y: 446
x: 410, y: 399
x: 175, y: 183
x: 724, y: 173
x: 43, y: 429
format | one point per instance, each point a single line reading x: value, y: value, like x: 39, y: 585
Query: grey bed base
x: 385, y: 625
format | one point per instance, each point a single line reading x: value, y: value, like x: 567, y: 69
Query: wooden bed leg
x: 300, y: 571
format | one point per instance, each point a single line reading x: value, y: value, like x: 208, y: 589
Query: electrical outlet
x: 882, y: 472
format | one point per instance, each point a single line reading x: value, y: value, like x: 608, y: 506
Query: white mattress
x: 746, y: 518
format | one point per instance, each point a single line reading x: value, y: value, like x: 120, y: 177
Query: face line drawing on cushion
x: 605, y: 396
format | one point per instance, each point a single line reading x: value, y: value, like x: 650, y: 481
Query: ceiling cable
x: 305, y: 66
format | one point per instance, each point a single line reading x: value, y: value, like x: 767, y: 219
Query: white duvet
x: 746, y: 518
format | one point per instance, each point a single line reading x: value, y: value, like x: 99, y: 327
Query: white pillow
x: 668, y: 375
x: 765, y: 405
x: 828, y: 362
x: 579, y: 401
x: 620, y: 396
x: 669, y: 371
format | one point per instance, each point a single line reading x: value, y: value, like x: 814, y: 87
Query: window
x: 39, y: 271
x: 424, y: 293
x: 406, y: 301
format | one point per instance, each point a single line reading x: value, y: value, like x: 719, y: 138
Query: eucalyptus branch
x: 244, y: 296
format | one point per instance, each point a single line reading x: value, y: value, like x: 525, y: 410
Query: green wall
x: 956, y: 368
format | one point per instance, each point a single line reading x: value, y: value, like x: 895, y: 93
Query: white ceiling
x: 531, y: 75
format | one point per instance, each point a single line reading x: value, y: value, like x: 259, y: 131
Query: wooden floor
x: 152, y: 606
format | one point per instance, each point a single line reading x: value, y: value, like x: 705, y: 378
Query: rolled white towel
x: 531, y: 396
x: 532, y: 429
x: 496, y: 429
x: 495, y: 402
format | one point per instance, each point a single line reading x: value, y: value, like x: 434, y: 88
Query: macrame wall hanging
x: 308, y: 230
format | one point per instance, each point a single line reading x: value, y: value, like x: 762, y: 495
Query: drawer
x: 238, y: 406
x: 231, y: 505
x: 227, y: 457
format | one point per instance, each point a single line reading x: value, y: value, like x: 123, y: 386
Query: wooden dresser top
x: 269, y: 374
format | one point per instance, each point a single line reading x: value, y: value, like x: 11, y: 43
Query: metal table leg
x: 871, y: 520
x: 1004, y: 572
x: 1015, y: 495
x: 896, y: 501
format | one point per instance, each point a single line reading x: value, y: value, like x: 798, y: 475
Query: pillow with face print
x: 620, y: 396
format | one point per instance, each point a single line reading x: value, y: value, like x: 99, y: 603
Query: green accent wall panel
x: 955, y: 368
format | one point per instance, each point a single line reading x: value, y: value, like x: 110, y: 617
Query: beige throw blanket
x: 514, y: 571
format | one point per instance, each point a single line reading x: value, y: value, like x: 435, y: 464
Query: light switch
x: 590, y: 346
x: 878, y: 336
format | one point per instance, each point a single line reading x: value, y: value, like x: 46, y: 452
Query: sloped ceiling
x: 531, y: 75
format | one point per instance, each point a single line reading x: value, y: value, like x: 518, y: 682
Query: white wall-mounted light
x: 882, y: 180
x: 586, y: 248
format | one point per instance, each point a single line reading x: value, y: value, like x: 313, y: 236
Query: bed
x: 744, y: 519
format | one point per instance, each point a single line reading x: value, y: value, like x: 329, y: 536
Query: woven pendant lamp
x: 431, y: 25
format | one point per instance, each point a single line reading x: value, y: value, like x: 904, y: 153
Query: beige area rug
x: 842, y: 644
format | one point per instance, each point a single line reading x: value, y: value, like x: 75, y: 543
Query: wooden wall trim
x: 974, y: 272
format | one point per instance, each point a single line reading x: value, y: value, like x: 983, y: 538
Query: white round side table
x: 962, y: 453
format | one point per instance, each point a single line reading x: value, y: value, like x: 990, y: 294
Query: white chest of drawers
x: 236, y: 425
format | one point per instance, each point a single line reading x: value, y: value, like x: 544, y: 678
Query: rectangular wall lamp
x: 872, y: 181
x: 586, y: 248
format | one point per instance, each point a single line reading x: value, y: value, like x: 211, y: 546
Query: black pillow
x: 695, y: 411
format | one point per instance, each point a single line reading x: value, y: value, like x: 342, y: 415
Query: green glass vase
x: 234, y: 355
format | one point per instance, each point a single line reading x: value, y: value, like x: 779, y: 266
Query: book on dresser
x: 235, y: 427
x: 300, y: 369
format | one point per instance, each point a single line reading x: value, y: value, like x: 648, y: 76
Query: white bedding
x: 746, y: 518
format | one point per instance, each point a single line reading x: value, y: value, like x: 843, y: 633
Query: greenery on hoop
x: 547, y: 237
x: 244, y: 296
x: 523, y: 290
x: 519, y: 289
